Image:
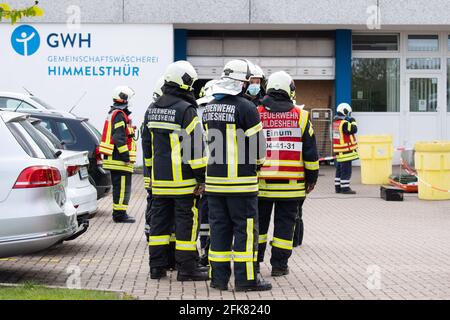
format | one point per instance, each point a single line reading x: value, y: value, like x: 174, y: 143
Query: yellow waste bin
x: 432, y: 162
x: 376, y: 153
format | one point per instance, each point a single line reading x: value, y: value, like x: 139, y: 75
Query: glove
x: 199, y: 189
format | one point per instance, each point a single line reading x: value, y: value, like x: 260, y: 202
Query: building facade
x: 390, y: 59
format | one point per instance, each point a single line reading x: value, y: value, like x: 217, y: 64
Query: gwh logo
x: 25, y: 40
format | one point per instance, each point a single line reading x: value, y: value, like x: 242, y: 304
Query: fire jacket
x: 173, y: 145
x: 344, y: 139
x: 236, y: 146
x: 118, y: 146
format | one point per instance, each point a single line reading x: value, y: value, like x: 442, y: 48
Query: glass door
x: 426, y: 104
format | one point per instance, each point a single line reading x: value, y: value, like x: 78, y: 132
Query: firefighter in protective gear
x: 175, y: 146
x: 289, y: 172
x: 119, y: 151
x: 255, y: 91
x: 157, y: 92
x: 345, y: 147
x: 236, y: 147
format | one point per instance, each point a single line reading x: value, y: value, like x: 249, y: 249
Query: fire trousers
x: 233, y: 224
x: 165, y: 213
x: 286, y: 212
x: 121, y: 183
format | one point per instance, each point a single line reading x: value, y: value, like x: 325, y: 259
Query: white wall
x: 62, y: 92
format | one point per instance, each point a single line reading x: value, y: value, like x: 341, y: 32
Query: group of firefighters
x: 219, y: 166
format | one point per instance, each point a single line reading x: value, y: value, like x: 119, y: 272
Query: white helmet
x: 157, y: 91
x: 122, y: 94
x: 240, y: 70
x: 281, y: 80
x: 345, y: 109
x: 182, y: 74
x: 259, y: 73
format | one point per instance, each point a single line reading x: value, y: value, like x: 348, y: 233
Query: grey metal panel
x: 98, y: 11
x: 415, y: 12
x: 310, y: 47
x: 205, y: 47
x: 241, y: 47
x: 278, y: 47
x: 186, y: 11
x: 311, y: 12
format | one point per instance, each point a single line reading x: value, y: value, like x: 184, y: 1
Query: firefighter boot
x: 194, y: 275
x: 278, y: 272
x: 259, y: 285
x: 158, y: 273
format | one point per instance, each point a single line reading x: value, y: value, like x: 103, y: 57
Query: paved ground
x: 364, y: 248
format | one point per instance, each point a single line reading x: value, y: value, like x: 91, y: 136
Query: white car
x: 35, y: 212
x: 79, y: 189
x: 13, y: 101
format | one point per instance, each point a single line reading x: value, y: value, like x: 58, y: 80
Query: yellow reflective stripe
x: 194, y: 222
x: 164, y: 125
x: 106, y: 147
x: 282, y: 244
x: 312, y: 165
x: 186, y: 245
x: 250, y: 248
x: 172, y: 184
x: 311, y: 130
x: 232, y: 151
x: 119, y: 168
x: 120, y: 207
x: 262, y: 238
x: 283, y: 163
x: 254, y: 130
x: 243, y: 256
x: 288, y: 185
x: 260, y: 161
x: 341, y: 133
x: 192, y: 125
x: 119, y: 124
x: 122, y: 189
x: 173, y: 191
x: 159, y: 240
x: 303, y: 120
x: 231, y: 189
x: 281, y: 174
x: 281, y: 194
x: 176, y: 156
x: 236, y: 180
x: 219, y: 256
x: 123, y: 149
x: 198, y: 163
x: 148, y: 162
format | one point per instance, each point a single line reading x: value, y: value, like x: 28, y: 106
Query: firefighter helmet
x: 281, y: 80
x: 345, y: 109
x: 181, y: 74
x: 239, y: 69
x: 122, y: 94
x: 259, y: 73
x: 158, y: 90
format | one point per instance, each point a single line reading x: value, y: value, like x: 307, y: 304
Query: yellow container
x: 432, y: 162
x: 375, y: 153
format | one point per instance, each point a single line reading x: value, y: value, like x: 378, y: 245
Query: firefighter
x: 255, y: 91
x: 345, y: 147
x: 157, y: 92
x: 289, y: 172
x: 119, y: 152
x: 177, y: 173
x: 236, y: 146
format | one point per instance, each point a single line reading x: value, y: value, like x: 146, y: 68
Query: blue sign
x: 25, y: 40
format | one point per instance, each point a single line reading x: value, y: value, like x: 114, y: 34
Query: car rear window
x: 93, y: 129
x: 48, y: 135
x: 30, y: 140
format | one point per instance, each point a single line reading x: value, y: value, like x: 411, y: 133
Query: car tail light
x: 72, y: 170
x: 98, y: 156
x: 38, y: 177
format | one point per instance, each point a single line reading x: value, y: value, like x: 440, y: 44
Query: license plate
x: 84, y: 173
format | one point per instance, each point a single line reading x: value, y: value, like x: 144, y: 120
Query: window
x: 423, y: 63
x: 65, y: 134
x: 375, y: 42
x: 46, y: 124
x: 376, y: 85
x: 423, y: 94
x: 14, y: 104
x: 423, y: 43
